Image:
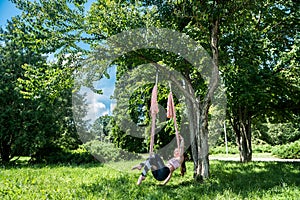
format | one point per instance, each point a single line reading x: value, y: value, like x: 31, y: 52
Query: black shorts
x: 161, y: 173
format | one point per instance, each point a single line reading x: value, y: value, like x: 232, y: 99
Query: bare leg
x: 147, y: 167
x: 141, y: 178
x: 150, y: 163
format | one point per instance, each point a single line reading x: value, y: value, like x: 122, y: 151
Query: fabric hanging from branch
x: 171, y: 113
x: 154, y: 110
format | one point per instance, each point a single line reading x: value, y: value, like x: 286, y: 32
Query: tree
x: 115, y: 17
x: 38, y: 114
x: 237, y: 34
x: 201, y: 21
x: 13, y: 106
x: 256, y: 86
x: 100, y: 127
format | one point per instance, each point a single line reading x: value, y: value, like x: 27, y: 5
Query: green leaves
x: 50, y: 26
x: 47, y: 81
x: 37, y: 93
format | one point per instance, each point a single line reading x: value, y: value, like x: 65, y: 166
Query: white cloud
x: 96, y: 110
x: 100, y: 105
x: 96, y: 105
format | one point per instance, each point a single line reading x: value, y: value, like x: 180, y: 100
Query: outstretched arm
x: 181, y: 147
x: 168, y: 178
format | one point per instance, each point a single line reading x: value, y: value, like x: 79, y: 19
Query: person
x: 160, y: 171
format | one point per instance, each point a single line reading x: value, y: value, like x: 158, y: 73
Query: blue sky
x: 99, y: 104
x: 7, y: 10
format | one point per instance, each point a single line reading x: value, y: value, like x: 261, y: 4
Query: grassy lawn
x: 229, y: 180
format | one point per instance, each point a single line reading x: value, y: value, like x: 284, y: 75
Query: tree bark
x: 200, y: 148
x: 5, y: 152
x: 204, y: 148
x: 192, y: 114
x: 242, y: 127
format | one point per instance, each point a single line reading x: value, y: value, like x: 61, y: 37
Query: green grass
x: 229, y: 180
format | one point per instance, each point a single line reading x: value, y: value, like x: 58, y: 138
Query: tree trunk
x: 5, y: 152
x: 198, y: 127
x: 242, y: 128
x: 193, y: 118
x: 198, y: 114
x: 200, y: 148
x: 204, y: 149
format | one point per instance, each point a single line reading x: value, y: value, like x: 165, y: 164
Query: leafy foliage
x: 37, y: 92
x: 277, y: 133
x: 291, y: 150
x: 55, y: 155
x: 107, y: 152
x: 15, y: 135
x: 51, y: 26
x: 262, y: 148
x: 221, y: 149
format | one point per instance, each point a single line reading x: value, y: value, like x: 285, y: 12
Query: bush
x: 232, y: 149
x: 288, y: 151
x: 79, y: 156
x: 106, y: 151
x: 277, y: 134
x: 58, y: 155
x: 260, y: 146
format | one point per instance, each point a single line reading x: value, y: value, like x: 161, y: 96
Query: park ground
x: 229, y: 180
x: 262, y: 157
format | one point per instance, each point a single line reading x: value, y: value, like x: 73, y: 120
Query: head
x: 176, y: 153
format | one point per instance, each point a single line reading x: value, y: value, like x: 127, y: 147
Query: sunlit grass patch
x: 229, y: 180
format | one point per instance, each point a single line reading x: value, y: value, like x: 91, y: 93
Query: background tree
x: 14, y: 109
x: 40, y: 91
x: 256, y: 43
x: 100, y: 127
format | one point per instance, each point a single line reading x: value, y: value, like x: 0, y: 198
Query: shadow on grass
x: 254, y: 177
x: 228, y: 179
x: 21, y: 165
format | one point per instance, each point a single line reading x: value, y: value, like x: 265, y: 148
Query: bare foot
x: 141, y: 178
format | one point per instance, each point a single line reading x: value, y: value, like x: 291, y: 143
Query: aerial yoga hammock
x: 160, y: 171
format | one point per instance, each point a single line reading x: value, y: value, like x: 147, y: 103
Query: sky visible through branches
x: 100, y: 104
